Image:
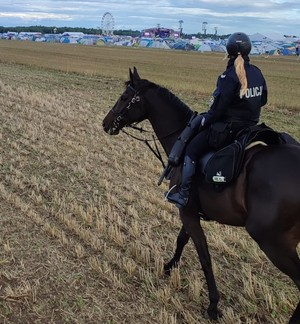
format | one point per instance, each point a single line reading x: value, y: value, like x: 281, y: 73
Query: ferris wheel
x: 107, y: 24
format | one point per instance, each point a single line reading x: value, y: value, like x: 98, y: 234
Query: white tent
x: 204, y: 48
x: 259, y: 38
x: 159, y: 44
x: 255, y: 50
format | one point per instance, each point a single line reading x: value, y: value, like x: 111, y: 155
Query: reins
x: 154, y: 150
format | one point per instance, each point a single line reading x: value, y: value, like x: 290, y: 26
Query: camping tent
x: 204, y: 48
x: 218, y: 48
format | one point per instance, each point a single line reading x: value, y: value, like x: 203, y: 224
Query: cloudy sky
x: 226, y: 16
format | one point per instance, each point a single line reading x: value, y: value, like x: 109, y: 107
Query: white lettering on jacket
x: 254, y: 92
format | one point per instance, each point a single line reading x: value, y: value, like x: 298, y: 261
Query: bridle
x: 120, y: 116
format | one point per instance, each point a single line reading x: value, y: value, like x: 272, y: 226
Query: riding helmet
x: 238, y: 43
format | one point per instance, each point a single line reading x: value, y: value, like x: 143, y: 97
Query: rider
x: 240, y: 93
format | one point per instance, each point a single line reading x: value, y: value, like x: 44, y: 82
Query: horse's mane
x: 163, y: 92
x: 174, y: 100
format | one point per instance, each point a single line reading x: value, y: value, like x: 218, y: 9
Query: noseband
x: 120, y: 116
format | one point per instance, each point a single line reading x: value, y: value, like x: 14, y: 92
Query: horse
x: 264, y: 199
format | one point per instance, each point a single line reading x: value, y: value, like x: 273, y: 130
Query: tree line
x: 93, y: 31
x: 61, y: 30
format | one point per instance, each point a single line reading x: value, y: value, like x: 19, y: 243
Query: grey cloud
x: 252, y: 16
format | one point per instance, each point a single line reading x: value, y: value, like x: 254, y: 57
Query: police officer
x: 240, y: 93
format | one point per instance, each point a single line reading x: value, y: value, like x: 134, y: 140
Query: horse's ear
x: 130, y: 75
x: 135, y: 74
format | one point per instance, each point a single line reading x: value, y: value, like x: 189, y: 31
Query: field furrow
x: 85, y: 230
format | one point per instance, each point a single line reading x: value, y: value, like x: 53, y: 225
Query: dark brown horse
x: 264, y: 199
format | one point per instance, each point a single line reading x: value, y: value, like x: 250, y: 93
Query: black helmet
x: 238, y: 43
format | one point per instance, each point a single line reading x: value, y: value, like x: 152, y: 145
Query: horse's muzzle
x: 110, y: 129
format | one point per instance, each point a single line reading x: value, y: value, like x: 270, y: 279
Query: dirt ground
x: 84, y: 230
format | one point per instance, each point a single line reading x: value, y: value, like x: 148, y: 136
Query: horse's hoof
x: 169, y: 267
x: 214, y: 315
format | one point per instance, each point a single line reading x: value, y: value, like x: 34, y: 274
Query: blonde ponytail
x: 241, y: 73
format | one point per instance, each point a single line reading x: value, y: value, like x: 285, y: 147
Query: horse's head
x: 129, y: 107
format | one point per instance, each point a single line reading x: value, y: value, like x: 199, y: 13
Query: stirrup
x: 168, y: 192
x: 180, y: 202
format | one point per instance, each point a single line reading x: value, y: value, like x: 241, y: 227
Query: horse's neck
x: 167, y: 122
x: 168, y: 142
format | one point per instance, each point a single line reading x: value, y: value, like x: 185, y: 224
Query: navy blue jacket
x: 226, y: 104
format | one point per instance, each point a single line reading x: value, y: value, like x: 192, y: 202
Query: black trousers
x: 198, y: 145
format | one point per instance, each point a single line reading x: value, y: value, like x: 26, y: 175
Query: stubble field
x: 84, y: 229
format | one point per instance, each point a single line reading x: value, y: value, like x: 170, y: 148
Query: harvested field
x: 84, y: 229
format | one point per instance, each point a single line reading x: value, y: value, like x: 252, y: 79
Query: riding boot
x: 180, y: 198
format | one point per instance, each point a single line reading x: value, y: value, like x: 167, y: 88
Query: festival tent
x: 100, y: 42
x: 260, y: 43
x: 123, y: 42
x: 189, y: 47
x: 218, y: 48
x: 158, y: 43
x: 275, y: 52
x: 254, y: 50
x: 183, y: 45
x: 73, y: 34
x: 109, y: 39
x: 40, y: 39
x: 153, y: 43
x: 196, y: 43
x: 52, y: 38
x: 69, y: 40
x: 170, y: 42
x: 288, y: 51
x: 65, y: 40
x: 267, y: 48
x: 270, y: 47
x: 259, y: 38
x: 204, y: 48
x: 87, y: 41
x: 10, y: 35
x: 179, y: 45
x: 144, y: 42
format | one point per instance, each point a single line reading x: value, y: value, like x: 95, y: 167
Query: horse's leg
x: 295, y: 319
x: 286, y: 259
x: 281, y: 250
x: 182, y: 240
x: 194, y: 229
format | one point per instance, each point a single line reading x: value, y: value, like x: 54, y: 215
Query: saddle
x: 224, y: 165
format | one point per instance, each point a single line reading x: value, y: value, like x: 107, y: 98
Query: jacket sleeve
x: 264, y: 97
x: 221, y: 99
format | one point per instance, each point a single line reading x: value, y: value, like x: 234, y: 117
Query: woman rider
x: 240, y: 93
